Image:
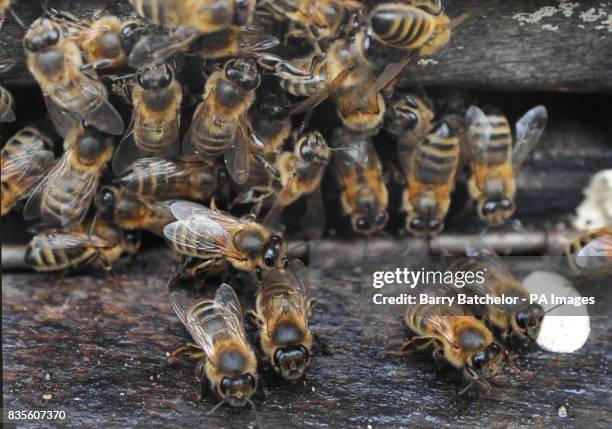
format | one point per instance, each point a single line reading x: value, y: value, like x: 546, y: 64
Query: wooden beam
x: 517, y: 45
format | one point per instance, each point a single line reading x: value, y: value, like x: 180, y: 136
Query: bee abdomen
x: 401, y: 26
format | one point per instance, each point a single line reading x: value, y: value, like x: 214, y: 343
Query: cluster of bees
x: 246, y: 117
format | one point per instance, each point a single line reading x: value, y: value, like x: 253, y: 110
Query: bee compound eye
x: 478, y: 360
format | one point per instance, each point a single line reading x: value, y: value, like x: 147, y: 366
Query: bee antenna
x: 257, y: 422
x: 17, y: 19
x: 215, y: 408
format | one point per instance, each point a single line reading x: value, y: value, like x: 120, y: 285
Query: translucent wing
x: 32, y: 206
x: 32, y: 159
x: 226, y: 298
x: 528, y: 130
x: 189, y: 146
x: 597, y: 253
x: 183, y: 307
x: 68, y: 241
x: 299, y: 273
x: 155, y: 49
x: 313, y: 222
x: 63, y: 121
x: 253, y: 39
x: 478, y: 130
x: 237, y: 157
x: 207, y: 230
x: 103, y: 116
x: 319, y: 97
x: 389, y: 74
x: 126, y: 152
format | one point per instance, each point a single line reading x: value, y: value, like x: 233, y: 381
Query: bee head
x: 157, y: 77
x: 130, y: 34
x: 105, y: 203
x: 487, y: 360
x: 43, y: 33
x: 368, y: 225
x: 496, y: 210
x: 238, y: 385
x: 274, y: 105
x: 274, y: 252
x: 243, y: 72
x: 313, y: 148
x: 291, y: 361
x: 528, y: 320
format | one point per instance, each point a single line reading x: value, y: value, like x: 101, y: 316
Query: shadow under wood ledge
x: 101, y: 354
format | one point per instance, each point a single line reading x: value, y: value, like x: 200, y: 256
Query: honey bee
x: 104, y: 245
x: 204, y: 233
x: 219, y: 122
x: 71, y: 95
x: 422, y: 26
x: 591, y: 253
x: 430, y: 172
x: 317, y: 21
x: 25, y: 158
x: 496, y: 160
x: 301, y: 172
x: 155, y: 125
x: 346, y: 75
x: 269, y: 122
x: 455, y: 335
x: 522, y: 320
x: 226, y: 358
x: 105, y: 40
x: 129, y: 211
x: 63, y: 197
x: 205, y: 16
x: 409, y: 118
x: 282, y: 312
x: 162, y: 179
x: 358, y: 171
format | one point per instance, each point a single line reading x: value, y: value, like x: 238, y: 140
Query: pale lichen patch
x: 426, y: 61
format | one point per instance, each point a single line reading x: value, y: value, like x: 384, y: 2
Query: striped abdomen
x: 161, y: 12
x: 43, y: 257
x: 304, y: 86
x: 499, y: 148
x: 281, y: 291
x: 66, y: 201
x: 437, y: 157
x: 401, y: 26
x: 187, y: 242
x: 211, y: 321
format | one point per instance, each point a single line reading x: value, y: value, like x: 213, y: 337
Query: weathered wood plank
x: 518, y: 45
x: 105, y: 353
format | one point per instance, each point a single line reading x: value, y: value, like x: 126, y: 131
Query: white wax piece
x: 559, y: 334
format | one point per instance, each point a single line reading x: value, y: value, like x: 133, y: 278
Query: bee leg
x: 310, y: 303
x: 178, y: 271
x: 325, y: 348
x: 253, y: 318
x: 174, y: 356
x: 201, y: 377
x: 270, y: 168
x: 97, y: 64
x: 60, y: 279
x: 108, y: 269
x: 193, y: 271
x: 404, y: 349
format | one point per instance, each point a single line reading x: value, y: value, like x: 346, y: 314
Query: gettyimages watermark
x: 502, y: 281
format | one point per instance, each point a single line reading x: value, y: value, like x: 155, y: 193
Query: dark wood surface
x: 507, y: 45
x: 106, y: 355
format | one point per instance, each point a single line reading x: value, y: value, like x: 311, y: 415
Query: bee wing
x: 127, y: 152
x: 31, y: 209
x: 156, y: 167
x: 8, y: 115
x: 208, y: 229
x: 528, y: 130
x: 154, y: 49
x: 319, y: 97
x: 23, y: 163
x: 68, y: 241
x: 253, y: 39
x: 104, y: 116
x: 597, y: 253
x: 389, y: 74
x: 63, y: 120
x: 203, y: 110
x: 226, y: 298
x: 478, y: 131
x: 237, y: 157
x: 276, y: 210
x: 299, y: 274
x: 182, y: 306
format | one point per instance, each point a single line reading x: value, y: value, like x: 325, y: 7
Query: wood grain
x: 106, y: 355
x: 518, y: 45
